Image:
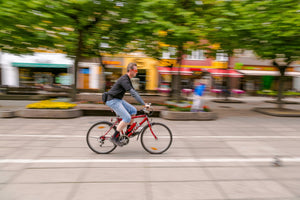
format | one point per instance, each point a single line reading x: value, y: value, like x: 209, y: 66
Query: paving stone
x: 114, y: 175
x: 48, y: 175
x: 293, y: 186
x: 254, y: 190
x: 285, y: 172
x: 35, y: 191
x: 177, y: 174
x: 254, y: 148
x: 236, y: 173
x: 185, y: 191
x: 111, y: 191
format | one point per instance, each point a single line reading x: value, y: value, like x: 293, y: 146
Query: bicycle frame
x: 138, y: 125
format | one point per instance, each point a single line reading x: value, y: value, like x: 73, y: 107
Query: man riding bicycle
x: 121, y: 107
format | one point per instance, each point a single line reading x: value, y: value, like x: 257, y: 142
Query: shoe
x: 116, y: 141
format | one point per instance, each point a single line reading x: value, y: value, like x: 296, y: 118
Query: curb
x: 227, y: 101
x: 7, y: 114
x: 183, y: 116
x: 273, y: 112
x: 49, y: 113
x: 283, y: 102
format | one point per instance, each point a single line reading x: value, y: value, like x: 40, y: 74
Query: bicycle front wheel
x: 98, y: 137
x: 156, y: 139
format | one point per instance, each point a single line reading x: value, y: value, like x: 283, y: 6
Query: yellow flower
x: 49, y: 104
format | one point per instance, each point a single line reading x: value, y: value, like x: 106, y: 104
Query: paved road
x: 230, y: 158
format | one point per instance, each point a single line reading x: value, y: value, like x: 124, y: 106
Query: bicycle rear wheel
x: 98, y: 137
x: 161, y: 143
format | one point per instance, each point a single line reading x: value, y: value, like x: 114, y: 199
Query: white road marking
x: 42, y: 136
x: 175, y: 137
x: 164, y: 160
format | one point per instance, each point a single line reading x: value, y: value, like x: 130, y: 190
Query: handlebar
x: 147, y: 109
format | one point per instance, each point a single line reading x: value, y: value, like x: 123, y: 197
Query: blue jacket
x: 199, y: 89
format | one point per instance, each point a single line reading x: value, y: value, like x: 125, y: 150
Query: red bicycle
x: 156, y: 138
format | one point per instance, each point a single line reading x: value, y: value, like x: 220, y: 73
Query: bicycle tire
x: 95, y: 141
x: 163, y: 141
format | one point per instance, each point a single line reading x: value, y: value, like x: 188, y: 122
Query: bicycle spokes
x: 98, y: 137
x: 157, y: 138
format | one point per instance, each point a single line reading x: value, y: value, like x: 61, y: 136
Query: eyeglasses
x: 135, y: 70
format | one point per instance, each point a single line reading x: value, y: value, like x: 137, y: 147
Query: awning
x: 41, y: 65
x: 224, y: 73
x: 267, y: 73
x: 174, y: 70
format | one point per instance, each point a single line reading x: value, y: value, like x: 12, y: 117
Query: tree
x: 223, y: 30
x: 173, y: 23
x: 274, y: 32
x: 76, y: 27
x: 20, y: 33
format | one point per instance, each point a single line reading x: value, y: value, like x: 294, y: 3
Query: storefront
x: 91, y: 75
x: 39, y: 70
x: 165, y: 78
x: 222, y: 78
x: 43, y: 74
x: 189, y: 72
x: 266, y: 78
x: 147, y: 77
x: 113, y: 71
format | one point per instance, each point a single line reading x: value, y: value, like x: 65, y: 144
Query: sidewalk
x: 231, y: 158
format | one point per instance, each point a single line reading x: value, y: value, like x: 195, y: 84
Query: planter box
x: 184, y: 116
x: 6, y: 114
x: 49, y: 113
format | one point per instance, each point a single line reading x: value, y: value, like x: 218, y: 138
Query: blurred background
x: 233, y: 47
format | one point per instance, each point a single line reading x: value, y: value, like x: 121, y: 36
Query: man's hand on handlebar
x: 147, y: 107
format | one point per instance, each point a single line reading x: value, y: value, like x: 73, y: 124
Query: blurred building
x: 114, y: 67
x: 245, y: 71
x: 211, y: 71
x: 262, y: 75
x: 37, y: 69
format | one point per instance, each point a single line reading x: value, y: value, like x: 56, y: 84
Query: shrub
x: 206, y: 109
x: 50, y: 104
x: 274, y: 93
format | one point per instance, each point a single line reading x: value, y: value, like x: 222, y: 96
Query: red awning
x: 225, y: 72
x: 174, y: 70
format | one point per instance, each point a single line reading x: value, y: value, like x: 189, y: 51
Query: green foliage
x: 173, y: 23
x: 274, y: 28
x: 275, y: 93
x: 223, y: 27
x: 59, y: 25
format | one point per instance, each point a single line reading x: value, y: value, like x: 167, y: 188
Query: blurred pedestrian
x: 198, y: 100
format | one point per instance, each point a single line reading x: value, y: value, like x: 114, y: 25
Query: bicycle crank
x: 124, y: 139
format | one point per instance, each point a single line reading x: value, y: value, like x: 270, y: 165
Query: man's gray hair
x: 131, y: 66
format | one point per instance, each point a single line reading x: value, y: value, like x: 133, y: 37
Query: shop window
x: 85, y: 71
x: 141, y: 80
x: 171, y: 53
x: 222, y: 57
x: 196, y: 55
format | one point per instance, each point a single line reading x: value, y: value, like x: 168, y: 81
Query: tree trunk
x: 228, y: 80
x: 77, y: 57
x: 280, y: 83
x: 102, y: 75
x: 280, y: 91
x: 177, y: 77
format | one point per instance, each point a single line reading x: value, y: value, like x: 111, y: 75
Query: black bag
x: 104, y: 97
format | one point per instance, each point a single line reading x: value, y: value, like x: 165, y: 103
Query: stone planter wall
x: 181, y: 116
x: 6, y: 114
x: 49, y: 113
